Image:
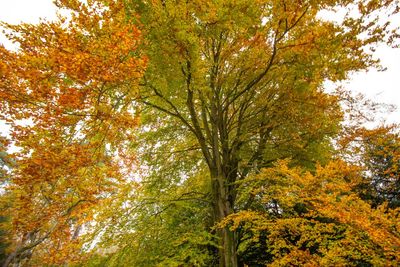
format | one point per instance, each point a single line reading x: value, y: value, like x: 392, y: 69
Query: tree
x: 378, y: 153
x: 231, y: 87
x: 244, y: 79
x: 382, y: 159
x: 67, y: 93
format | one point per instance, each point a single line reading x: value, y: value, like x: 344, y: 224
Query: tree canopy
x: 196, y: 133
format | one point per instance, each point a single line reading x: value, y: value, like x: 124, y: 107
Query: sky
x: 378, y: 86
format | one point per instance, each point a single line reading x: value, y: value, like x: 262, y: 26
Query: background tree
x: 382, y: 159
x: 377, y: 152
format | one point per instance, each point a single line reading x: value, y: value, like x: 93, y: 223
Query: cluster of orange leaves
x: 68, y: 94
x: 334, y: 228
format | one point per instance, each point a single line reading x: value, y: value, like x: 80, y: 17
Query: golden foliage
x: 67, y: 94
x: 315, y: 219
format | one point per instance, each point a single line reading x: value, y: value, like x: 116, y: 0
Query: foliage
x: 67, y: 94
x: 158, y: 230
x: 382, y: 160
x: 224, y: 90
x: 245, y: 80
x: 298, y: 218
x: 378, y: 153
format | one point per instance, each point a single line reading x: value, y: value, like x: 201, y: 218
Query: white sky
x: 379, y: 86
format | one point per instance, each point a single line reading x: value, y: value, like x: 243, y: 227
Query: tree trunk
x: 222, y: 208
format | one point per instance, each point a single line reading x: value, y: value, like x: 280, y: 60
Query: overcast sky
x: 380, y: 86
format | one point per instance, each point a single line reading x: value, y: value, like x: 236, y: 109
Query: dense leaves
x: 67, y: 93
x: 295, y: 218
x: 156, y: 133
x: 245, y: 80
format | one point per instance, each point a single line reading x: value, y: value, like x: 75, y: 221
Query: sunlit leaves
x: 303, y: 218
x: 68, y: 94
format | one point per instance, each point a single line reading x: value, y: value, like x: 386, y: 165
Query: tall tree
x: 244, y: 79
x: 67, y: 93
